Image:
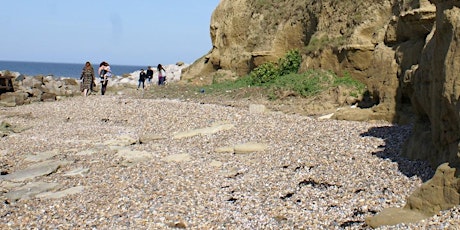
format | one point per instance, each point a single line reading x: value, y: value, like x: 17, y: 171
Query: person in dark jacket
x: 104, y: 73
x: 142, y: 76
x: 149, y: 74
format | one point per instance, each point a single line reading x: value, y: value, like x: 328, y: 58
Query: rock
x: 257, y: 109
x: 177, y: 158
x: 227, y: 149
x: 358, y: 47
x: 42, y: 156
x: 249, y: 148
x: 7, y: 103
x: 6, y: 127
x: 148, y: 138
x: 61, y: 194
x: 435, y: 98
x: 31, y: 82
x: 39, y: 88
x: 30, y: 190
x: 177, y: 224
x: 48, y: 97
x: 393, y: 216
x: 12, y: 99
x: 132, y: 157
x: 216, y: 164
x: 204, y: 131
x: 35, y: 170
x: 124, y: 140
x: 439, y: 193
x: 77, y: 172
x: 353, y: 114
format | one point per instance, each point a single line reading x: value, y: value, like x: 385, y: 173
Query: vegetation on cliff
x: 282, y: 79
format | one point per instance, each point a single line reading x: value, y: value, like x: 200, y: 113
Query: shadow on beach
x: 394, y: 138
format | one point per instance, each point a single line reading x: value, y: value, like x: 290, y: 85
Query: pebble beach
x: 128, y: 162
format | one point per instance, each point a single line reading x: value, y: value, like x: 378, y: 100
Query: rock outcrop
x: 439, y: 193
x: 436, y: 92
x: 375, y: 42
x: 404, y: 51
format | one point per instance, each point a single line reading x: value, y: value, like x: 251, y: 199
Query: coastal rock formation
x: 436, y: 94
x: 394, y: 47
x: 378, y: 43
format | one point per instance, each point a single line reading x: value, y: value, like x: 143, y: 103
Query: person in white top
x: 104, y: 73
x: 161, y: 74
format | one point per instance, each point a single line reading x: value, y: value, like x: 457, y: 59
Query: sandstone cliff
x: 436, y: 91
x: 377, y: 42
x: 404, y: 51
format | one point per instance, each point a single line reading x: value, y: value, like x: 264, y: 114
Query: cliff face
x: 404, y: 51
x: 436, y: 91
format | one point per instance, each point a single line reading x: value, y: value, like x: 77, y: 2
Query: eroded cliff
x: 404, y: 51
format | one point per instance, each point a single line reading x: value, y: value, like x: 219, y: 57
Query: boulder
x: 439, y: 193
x: 12, y: 99
x: 48, y: 97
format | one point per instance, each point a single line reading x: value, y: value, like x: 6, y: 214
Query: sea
x: 58, y: 70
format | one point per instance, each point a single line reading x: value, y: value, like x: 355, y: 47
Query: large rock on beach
x: 441, y: 192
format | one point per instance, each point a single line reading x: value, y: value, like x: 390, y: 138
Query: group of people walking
x: 88, y: 77
x: 148, y: 75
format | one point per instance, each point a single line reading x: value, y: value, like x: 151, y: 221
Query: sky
x: 136, y: 32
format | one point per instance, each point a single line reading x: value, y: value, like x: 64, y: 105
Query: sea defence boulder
x: 29, y: 89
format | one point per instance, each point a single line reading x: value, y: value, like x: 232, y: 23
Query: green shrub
x: 263, y: 74
x: 290, y: 63
x: 306, y: 84
x: 224, y: 85
x: 279, y: 80
x: 269, y: 72
x: 347, y: 80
